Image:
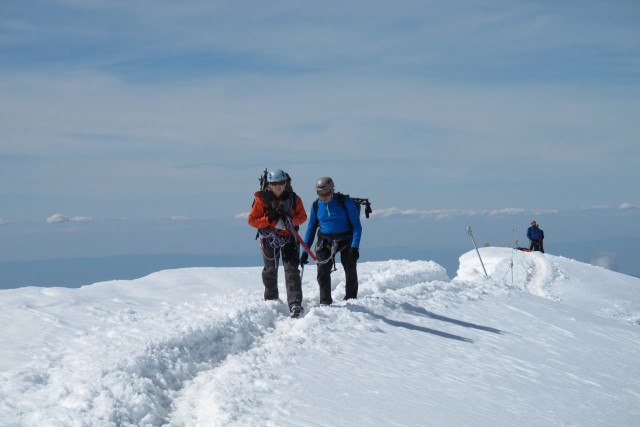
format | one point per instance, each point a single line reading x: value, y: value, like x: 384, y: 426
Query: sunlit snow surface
x: 542, y: 341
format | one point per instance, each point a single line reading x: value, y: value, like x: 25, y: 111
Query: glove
x: 275, y: 215
x: 304, y: 258
x: 354, y: 253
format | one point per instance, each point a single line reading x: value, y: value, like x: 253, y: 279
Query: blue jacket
x: 332, y: 219
x: 534, y: 233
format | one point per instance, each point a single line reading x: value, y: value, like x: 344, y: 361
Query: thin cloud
x: 446, y: 213
x: 60, y: 218
x: 459, y: 213
x: 621, y: 207
x: 595, y: 208
x: 522, y: 211
x: 509, y: 211
x: 57, y: 218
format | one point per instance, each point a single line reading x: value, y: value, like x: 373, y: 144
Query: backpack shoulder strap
x: 267, y: 197
x: 315, y: 209
x: 341, y: 200
x: 343, y: 203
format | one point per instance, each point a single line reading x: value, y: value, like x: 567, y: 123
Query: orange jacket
x: 260, y: 210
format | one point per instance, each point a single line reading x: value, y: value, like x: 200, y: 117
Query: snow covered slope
x: 543, y: 341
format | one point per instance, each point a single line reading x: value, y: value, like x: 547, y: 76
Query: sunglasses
x: 278, y: 183
x: 323, y: 195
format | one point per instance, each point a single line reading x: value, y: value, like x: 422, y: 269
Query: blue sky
x: 142, y: 127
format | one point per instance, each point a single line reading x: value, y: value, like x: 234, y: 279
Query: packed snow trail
x: 448, y: 342
x: 84, y: 352
x: 198, y: 347
x: 113, y: 348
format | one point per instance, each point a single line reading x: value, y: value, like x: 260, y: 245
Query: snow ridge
x: 199, y: 347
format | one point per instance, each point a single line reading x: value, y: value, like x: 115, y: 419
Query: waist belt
x: 336, y: 236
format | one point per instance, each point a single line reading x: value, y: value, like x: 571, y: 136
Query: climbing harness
x: 276, y: 241
x: 332, y: 256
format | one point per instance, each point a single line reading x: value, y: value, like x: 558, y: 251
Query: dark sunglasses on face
x: 327, y: 194
x: 278, y: 183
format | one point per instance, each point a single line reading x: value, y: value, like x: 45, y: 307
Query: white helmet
x: 276, y: 175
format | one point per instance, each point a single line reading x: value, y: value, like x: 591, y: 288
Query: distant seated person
x: 536, y: 236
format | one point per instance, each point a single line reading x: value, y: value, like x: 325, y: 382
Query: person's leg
x: 536, y: 245
x: 270, y: 257
x: 350, y: 265
x: 291, y: 263
x: 325, y: 263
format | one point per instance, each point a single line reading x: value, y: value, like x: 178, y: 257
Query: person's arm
x: 354, y: 217
x: 299, y: 215
x: 312, y: 225
x: 257, y: 216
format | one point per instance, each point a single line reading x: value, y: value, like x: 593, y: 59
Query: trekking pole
x: 470, y: 234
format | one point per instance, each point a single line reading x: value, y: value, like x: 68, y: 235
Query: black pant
x: 290, y: 254
x: 536, y: 245
x: 323, y: 252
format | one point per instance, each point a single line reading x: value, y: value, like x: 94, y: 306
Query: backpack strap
x: 270, y: 201
x: 341, y: 200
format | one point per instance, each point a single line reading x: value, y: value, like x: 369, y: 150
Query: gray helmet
x: 276, y: 175
x: 325, y: 183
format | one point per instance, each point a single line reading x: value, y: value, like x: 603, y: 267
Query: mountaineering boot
x: 296, y: 311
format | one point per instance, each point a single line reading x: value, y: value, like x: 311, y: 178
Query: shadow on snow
x: 359, y: 309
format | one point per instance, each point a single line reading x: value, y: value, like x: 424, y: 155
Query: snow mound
x: 580, y: 285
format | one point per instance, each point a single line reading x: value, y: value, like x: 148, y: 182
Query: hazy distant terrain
x: 76, y: 272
